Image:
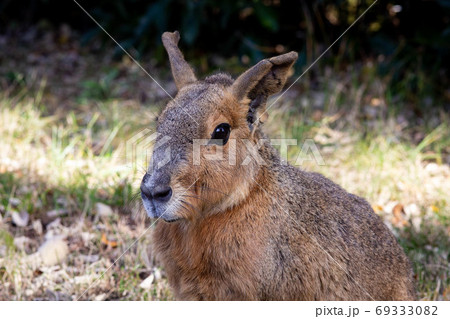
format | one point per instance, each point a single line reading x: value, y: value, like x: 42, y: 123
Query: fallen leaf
x: 399, y: 216
x: 434, y: 209
x: 37, y: 226
x: 87, y: 237
x: 157, y: 273
x: 110, y: 243
x: 147, y: 282
x: 14, y: 201
x: 89, y: 258
x: 398, y: 210
x: 103, y: 210
x: 22, y: 242
x: 51, y: 252
x: 377, y: 208
x: 85, y: 279
x: 412, y: 210
x: 100, y: 297
x: 56, y: 212
x: 432, y: 168
x: 413, y: 214
x: 20, y: 219
x: 375, y: 101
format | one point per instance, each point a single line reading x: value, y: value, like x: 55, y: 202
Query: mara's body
x: 256, y: 229
x: 280, y: 245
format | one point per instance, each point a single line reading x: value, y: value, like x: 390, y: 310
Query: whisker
x: 196, y: 197
x: 144, y: 170
x: 213, y: 189
x: 185, y: 202
x: 134, y: 197
x: 182, y: 205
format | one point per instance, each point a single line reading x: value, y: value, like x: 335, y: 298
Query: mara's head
x: 205, y: 156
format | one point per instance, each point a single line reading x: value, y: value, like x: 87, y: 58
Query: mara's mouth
x: 164, y: 211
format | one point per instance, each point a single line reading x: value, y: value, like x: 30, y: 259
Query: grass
x: 69, y: 163
x: 66, y: 157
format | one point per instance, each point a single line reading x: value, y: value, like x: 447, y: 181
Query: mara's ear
x: 263, y: 80
x: 181, y: 70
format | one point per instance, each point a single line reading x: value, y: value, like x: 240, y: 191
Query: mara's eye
x: 221, y: 134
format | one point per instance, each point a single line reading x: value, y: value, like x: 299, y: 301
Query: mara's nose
x: 160, y: 192
x: 146, y: 191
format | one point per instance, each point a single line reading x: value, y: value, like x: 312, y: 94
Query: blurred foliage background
x: 398, y: 35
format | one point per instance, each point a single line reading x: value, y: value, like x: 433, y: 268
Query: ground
x: 68, y: 178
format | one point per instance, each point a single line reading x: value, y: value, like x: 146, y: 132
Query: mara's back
x: 333, y: 243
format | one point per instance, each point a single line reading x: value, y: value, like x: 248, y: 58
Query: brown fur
x: 263, y: 232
